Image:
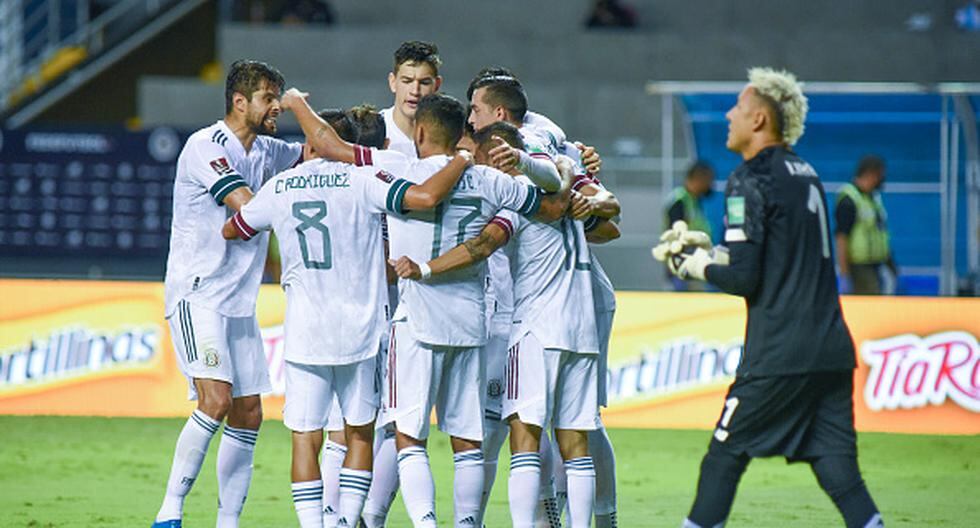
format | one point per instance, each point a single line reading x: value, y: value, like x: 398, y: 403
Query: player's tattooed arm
x: 553, y: 206
x: 319, y: 134
x: 470, y: 252
x: 434, y: 190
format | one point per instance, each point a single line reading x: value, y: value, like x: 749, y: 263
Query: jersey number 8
x: 312, y: 222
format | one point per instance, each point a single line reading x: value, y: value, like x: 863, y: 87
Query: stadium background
x: 99, y: 96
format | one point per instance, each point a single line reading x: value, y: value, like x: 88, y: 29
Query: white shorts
x: 335, y: 418
x: 495, y: 357
x: 310, y: 391
x: 604, y: 321
x: 551, y: 388
x: 211, y: 346
x: 420, y: 376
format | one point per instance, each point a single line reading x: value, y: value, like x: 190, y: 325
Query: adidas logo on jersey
x: 469, y: 521
x: 431, y: 516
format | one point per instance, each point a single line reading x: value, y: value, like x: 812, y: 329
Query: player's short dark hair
x: 490, y: 71
x: 697, y: 168
x: 505, y: 91
x: 419, y: 52
x: 506, y: 131
x: 444, y: 116
x: 869, y: 163
x: 361, y: 124
x: 246, y: 76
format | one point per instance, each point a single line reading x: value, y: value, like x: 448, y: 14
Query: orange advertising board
x: 672, y: 357
x: 103, y: 348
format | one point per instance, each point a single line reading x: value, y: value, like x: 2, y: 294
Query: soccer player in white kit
x: 415, y: 74
x: 328, y: 217
x: 497, y: 95
x: 552, y: 339
x: 433, y: 356
x: 211, y: 286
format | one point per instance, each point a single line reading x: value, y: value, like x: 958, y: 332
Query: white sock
x: 235, y: 454
x: 523, y: 488
x: 581, y: 491
x: 604, y: 458
x: 467, y: 486
x: 331, y: 459
x: 561, y: 483
x: 418, y: 488
x: 495, y: 434
x: 192, y: 446
x: 545, y: 514
x: 606, y: 520
x: 354, y: 485
x: 384, y: 485
x: 307, y: 499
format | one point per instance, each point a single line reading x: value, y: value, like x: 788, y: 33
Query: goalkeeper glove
x: 688, y: 266
x: 678, y: 238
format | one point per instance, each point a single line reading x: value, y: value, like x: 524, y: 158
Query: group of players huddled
x: 436, y: 255
x: 497, y: 315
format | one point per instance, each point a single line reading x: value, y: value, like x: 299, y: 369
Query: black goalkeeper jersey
x: 795, y: 324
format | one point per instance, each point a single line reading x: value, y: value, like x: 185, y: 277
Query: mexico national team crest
x: 211, y: 358
x: 494, y: 388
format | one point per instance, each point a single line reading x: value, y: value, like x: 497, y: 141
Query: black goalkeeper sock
x: 840, y: 477
x: 720, y: 474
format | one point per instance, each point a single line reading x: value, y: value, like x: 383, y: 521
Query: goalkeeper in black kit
x: 792, y: 394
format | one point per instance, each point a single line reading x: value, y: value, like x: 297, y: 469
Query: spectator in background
x: 685, y: 203
x: 307, y: 12
x: 611, y: 14
x: 968, y: 17
x: 283, y: 11
x: 863, y: 250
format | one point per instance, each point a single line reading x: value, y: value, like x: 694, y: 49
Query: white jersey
x: 500, y: 285
x: 539, y: 143
x: 448, y: 310
x: 550, y: 264
x: 602, y: 288
x: 327, y: 216
x: 546, y: 125
x: 397, y: 140
x: 202, y: 267
x: 603, y: 292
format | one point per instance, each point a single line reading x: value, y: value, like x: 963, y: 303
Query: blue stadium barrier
x: 903, y: 129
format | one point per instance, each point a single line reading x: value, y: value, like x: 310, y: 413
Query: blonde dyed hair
x: 782, y: 89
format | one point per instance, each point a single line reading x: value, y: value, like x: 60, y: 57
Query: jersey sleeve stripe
x: 581, y: 180
x: 504, y: 224
x: 396, y: 196
x: 362, y: 156
x: 244, y: 230
x: 224, y: 186
x: 532, y: 203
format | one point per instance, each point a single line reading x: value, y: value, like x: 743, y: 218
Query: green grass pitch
x: 86, y: 472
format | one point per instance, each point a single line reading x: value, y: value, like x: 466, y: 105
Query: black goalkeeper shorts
x: 799, y: 417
